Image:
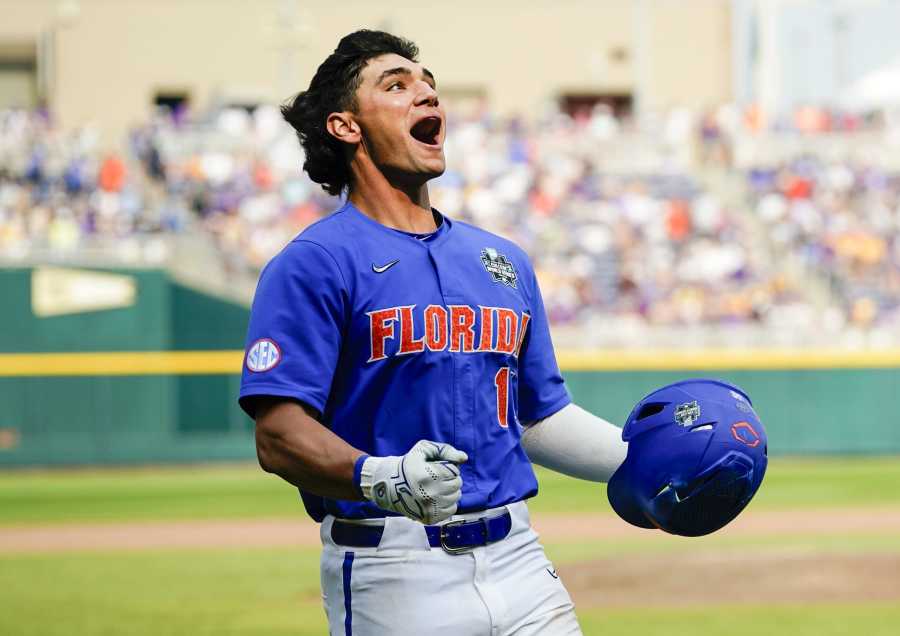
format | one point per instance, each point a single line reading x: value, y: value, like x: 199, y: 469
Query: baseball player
x: 400, y: 371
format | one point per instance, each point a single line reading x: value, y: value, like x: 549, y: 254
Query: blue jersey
x: 394, y: 338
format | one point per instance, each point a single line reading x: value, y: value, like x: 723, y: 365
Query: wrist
x: 357, y: 476
x: 370, y: 469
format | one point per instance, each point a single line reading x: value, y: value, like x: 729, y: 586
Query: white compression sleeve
x: 576, y: 443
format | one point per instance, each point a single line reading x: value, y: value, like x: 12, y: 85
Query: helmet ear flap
x: 622, y: 498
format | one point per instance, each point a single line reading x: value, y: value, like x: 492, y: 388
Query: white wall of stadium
x: 104, y: 61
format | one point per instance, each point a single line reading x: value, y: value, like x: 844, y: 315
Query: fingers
x: 451, y: 489
x: 434, y: 451
x: 431, y: 470
x: 450, y: 454
x: 447, y: 470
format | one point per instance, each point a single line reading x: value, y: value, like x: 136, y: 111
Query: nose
x: 427, y: 96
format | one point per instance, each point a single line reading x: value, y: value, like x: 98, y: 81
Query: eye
x: 395, y: 85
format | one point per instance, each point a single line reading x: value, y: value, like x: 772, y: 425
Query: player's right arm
x: 294, y: 339
x: 292, y: 444
x: 424, y: 485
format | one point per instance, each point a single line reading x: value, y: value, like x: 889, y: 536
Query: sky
x: 823, y: 46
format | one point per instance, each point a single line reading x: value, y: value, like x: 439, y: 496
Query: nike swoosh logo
x: 384, y: 268
x: 553, y: 573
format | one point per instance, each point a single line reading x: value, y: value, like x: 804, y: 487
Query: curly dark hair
x: 333, y: 89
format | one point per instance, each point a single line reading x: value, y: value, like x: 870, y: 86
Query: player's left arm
x: 577, y: 443
x: 559, y: 434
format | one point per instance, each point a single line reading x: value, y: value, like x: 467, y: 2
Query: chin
x: 422, y: 171
x: 435, y: 165
x: 416, y: 171
x: 426, y: 175
x: 437, y: 170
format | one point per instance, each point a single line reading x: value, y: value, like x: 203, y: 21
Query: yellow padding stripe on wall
x: 230, y: 362
x: 121, y: 363
x: 746, y: 359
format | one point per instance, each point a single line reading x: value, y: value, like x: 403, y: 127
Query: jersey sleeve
x: 296, y: 322
x: 542, y: 390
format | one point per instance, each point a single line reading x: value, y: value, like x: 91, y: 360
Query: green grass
x: 203, y: 492
x: 246, y: 492
x: 209, y: 592
x: 791, y: 620
x: 276, y: 592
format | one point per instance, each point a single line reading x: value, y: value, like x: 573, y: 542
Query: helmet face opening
x: 696, y: 456
x: 709, y: 502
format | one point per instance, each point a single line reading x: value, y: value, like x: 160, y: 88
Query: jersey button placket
x: 460, y: 378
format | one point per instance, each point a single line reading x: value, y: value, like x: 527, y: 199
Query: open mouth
x: 427, y: 131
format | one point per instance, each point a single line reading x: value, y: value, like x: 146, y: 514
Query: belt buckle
x: 461, y: 550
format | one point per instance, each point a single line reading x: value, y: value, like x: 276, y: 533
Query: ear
x: 344, y: 127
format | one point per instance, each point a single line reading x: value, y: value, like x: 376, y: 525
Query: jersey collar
x: 433, y: 239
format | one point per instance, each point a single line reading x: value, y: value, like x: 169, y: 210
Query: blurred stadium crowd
x: 671, y: 223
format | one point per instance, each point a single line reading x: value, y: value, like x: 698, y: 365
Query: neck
x: 399, y: 206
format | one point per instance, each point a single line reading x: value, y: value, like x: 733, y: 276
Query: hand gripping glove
x: 423, y: 485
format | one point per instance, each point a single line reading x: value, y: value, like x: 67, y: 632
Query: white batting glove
x: 423, y: 485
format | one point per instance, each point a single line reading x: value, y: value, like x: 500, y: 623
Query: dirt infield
x: 159, y: 534
x: 767, y: 578
x: 699, y: 576
x: 305, y: 533
x: 752, y: 523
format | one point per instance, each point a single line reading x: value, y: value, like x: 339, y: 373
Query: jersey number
x: 501, y: 381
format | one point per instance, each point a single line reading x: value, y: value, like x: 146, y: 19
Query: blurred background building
x: 111, y: 63
x: 683, y: 174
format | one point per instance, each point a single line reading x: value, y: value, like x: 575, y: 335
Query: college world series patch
x: 688, y: 413
x: 498, y: 266
x: 263, y: 355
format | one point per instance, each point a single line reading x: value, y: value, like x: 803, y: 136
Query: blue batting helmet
x: 697, y: 453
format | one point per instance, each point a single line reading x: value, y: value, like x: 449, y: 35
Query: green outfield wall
x: 805, y: 411
x: 56, y: 414
x: 154, y: 379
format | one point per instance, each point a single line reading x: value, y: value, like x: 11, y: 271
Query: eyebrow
x: 402, y: 70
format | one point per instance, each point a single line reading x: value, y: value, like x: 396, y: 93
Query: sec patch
x: 263, y: 355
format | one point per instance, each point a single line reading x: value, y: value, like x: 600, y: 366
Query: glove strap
x: 357, y: 474
x: 367, y: 467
